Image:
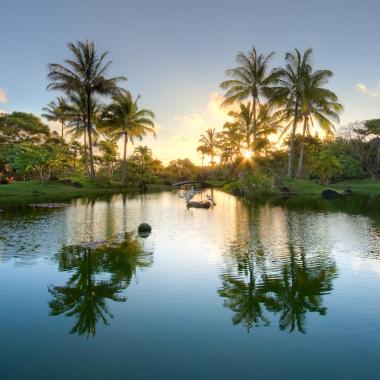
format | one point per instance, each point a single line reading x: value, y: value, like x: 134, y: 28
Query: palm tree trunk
x: 85, y: 152
x: 254, y: 122
x: 92, y: 168
x: 300, y: 161
x: 124, y: 169
x: 62, y: 127
x: 293, y: 135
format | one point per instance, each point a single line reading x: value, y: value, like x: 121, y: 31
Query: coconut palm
x: 230, y: 143
x: 209, y: 144
x: 251, y: 78
x: 288, y: 92
x: 320, y: 104
x: 84, y: 75
x: 57, y: 111
x: 77, y: 126
x: 124, y: 120
x: 242, y: 120
x: 268, y: 123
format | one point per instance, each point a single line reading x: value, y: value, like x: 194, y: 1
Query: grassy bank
x: 307, y: 187
x: 58, y: 190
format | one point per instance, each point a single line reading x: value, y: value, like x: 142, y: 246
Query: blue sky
x: 175, y: 53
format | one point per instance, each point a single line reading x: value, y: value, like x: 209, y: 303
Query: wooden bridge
x: 183, y: 183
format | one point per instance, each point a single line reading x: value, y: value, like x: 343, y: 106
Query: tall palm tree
x: 77, y: 126
x: 125, y: 120
x: 209, y: 144
x: 288, y: 92
x: 320, y: 104
x: 57, y: 111
x: 251, y: 78
x: 84, y: 75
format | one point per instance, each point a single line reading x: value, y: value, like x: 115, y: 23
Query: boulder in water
x: 329, y: 194
x: 144, y: 230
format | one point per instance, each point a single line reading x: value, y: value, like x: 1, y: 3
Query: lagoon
x: 276, y: 289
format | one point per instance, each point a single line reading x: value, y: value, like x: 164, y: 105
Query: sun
x: 247, y: 154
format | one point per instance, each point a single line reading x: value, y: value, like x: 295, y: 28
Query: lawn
x: 57, y: 190
x: 307, y: 187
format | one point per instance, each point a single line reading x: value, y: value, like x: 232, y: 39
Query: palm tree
x: 77, y: 126
x: 209, y: 144
x: 243, y: 120
x: 84, y: 75
x: 143, y: 155
x: 230, y: 143
x: 288, y: 92
x: 268, y: 123
x: 57, y: 111
x: 249, y: 79
x: 124, y: 119
x: 320, y: 104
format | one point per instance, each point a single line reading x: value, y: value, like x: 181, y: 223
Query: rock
x: 329, y: 194
x: 238, y: 192
x: 284, y: 189
x: 77, y: 184
x: 1, y: 210
x: 144, y: 230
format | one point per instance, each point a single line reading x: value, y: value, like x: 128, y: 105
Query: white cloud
x: 364, y: 90
x: 3, y: 96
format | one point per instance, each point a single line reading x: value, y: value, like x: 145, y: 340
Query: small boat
x: 199, y: 204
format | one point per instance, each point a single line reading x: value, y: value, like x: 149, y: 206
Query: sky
x: 175, y: 53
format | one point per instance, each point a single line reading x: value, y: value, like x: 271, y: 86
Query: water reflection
x: 262, y: 282
x: 98, y: 276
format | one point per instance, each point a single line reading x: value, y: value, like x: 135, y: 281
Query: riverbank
x: 65, y: 189
x: 307, y: 187
x: 302, y: 187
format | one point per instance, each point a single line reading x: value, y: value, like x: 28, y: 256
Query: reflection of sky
x: 173, y: 308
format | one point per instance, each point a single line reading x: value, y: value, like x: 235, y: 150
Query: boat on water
x: 199, y: 204
x: 188, y: 195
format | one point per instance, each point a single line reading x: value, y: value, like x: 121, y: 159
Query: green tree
x: 209, y: 144
x: 251, y: 78
x: 126, y: 121
x: 326, y: 167
x: 317, y: 103
x: 57, y: 111
x: 84, y: 76
x: 242, y: 121
x: 288, y: 93
x: 110, y: 154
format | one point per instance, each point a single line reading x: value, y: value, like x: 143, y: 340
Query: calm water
x: 286, y: 290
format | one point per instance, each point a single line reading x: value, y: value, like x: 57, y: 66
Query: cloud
x: 3, y: 96
x: 180, y: 138
x: 364, y: 90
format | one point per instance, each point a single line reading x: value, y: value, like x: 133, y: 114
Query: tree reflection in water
x: 256, y: 285
x: 99, y: 275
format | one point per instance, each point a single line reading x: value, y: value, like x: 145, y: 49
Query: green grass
x: 55, y: 190
x: 307, y: 187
